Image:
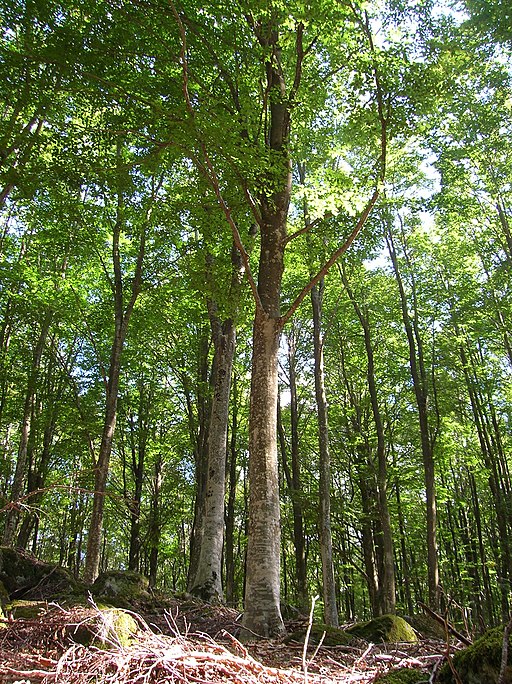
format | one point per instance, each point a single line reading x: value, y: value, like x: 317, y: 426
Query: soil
x: 187, y: 641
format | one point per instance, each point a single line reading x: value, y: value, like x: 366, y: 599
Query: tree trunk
x: 20, y: 473
x: 324, y: 485
x: 293, y: 480
x: 262, y: 615
x: 387, y: 591
x: 229, y: 553
x: 122, y: 316
x: 92, y: 561
x: 198, y: 431
x: 155, y: 522
x: 208, y: 577
x: 138, y: 442
x: 416, y: 362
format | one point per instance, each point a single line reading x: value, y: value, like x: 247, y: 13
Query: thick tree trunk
x: 324, y: 518
x: 262, y: 616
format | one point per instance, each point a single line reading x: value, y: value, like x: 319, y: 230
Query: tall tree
x: 123, y: 305
x: 284, y: 52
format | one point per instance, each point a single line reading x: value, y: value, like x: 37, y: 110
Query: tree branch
x: 332, y: 260
x: 208, y: 169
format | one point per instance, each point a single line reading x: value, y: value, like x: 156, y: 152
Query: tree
x: 123, y: 306
x: 279, y: 47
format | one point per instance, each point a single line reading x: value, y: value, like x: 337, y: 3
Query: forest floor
x: 190, y: 642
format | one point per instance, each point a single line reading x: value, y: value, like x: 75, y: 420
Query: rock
x: 108, y: 628
x: 333, y: 636
x: 28, y: 610
x: 403, y: 675
x: 4, y: 596
x: 387, y: 628
x: 480, y: 663
x: 122, y: 588
x: 23, y: 576
x: 426, y: 626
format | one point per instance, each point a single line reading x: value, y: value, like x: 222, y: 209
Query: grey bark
x: 262, y: 616
x: 208, y: 576
x: 324, y: 517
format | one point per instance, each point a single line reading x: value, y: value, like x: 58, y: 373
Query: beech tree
x: 140, y: 142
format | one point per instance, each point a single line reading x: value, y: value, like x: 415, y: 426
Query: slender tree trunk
x: 293, y: 481
x: 138, y: 439
x: 92, y: 562
x: 155, y: 522
x: 296, y: 492
x: 207, y: 578
x: 324, y: 485
x: 387, y: 581
x: 229, y: 553
x: 121, y: 320
x: 416, y: 361
x: 198, y: 431
x: 20, y: 472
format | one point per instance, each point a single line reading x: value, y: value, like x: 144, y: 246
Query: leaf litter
x: 189, y: 643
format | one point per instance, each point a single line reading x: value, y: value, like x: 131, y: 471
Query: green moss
x: 403, y: 675
x: 111, y: 627
x: 28, y: 610
x: 333, y: 636
x: 122, y: 588
x: 479, y: 663
x: 24, y: 576
x: 387, y: 628
x: 427, y: 627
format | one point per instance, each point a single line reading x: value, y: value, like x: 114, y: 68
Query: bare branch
x: 332, y: 260
x: 309, y: 225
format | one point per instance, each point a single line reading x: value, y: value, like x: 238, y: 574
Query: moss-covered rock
x: 108, y: 628
x: 426, y: 626
x: 4, y: 601
x: 4, y: 596
x: 28, y: 610
x: 480, y: 663
x: 122, y: 588
x: 333, y: 636
x: 387, y: 628
x: 24, y: 576
x: 403, y: 675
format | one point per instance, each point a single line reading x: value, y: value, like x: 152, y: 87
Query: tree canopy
x: 255, y: 299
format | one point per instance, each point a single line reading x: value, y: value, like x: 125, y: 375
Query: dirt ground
x: 189, y: 642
